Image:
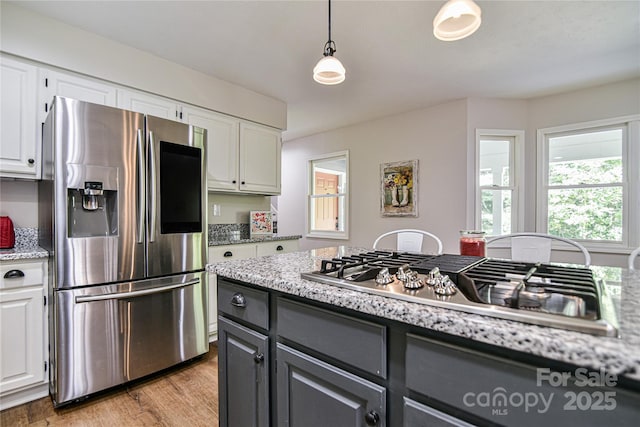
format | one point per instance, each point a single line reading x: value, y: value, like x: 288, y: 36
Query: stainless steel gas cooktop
x: 541, y: 294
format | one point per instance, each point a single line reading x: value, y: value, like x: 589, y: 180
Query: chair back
x: 530, y: 248
x: 632, y: 258
x: 536, y: 247
x: 409, y: 240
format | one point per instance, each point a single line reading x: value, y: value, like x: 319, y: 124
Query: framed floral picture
x: 399, y: 188
x: 260, y: 223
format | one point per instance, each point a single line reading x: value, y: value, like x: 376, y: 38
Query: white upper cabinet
x: 242, y: 157
x: 222, y: 146
x: 148, y: 104
x: 19, y: 153
x: 260, y: 153
x: 75, y: 87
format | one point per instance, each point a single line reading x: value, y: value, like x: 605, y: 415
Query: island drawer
x: 512, y: 393
x: 356, y: 342
x: 244, y: 303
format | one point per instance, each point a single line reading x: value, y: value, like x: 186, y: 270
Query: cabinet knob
x: 13, y: 274
x: 238, y: 300
x: 31, y: 161
x: 227, y: 254
x: 279, y: 248
x: 258, y: 358
x: 234, y: 181
x: 242, y: 182
x: 371, y: 418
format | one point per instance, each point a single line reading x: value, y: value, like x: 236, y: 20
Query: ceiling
x: 394, y: 64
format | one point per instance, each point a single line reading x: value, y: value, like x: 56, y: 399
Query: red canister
x: 7, y: 235
x: 472, y: 243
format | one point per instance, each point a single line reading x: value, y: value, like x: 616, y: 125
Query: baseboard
x: 24, y: 396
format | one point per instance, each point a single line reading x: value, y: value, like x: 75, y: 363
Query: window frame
x: 326, y: 234
x: 516, y: 176
x: 630, y: 184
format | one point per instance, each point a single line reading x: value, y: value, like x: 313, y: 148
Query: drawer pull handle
x: 13, y: 274
x: 279, y: 248
x: 227, y: 254
x: 238, y: 300
x: 258, y: 358
x: 371, y: 418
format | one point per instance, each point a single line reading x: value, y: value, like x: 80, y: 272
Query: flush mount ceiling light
x: 456, y: 20
x: 329, y: 70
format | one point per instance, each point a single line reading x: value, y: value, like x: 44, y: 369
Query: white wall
x: 442, y: 139
x: 436, y: 136
x: 33, y: 36
x: 234, y: 209
x: 19, y: 201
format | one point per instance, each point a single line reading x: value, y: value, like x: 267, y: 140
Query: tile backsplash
x: 223, y: 231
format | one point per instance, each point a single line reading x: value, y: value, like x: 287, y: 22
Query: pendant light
x: 456, y: 20
x: 329, y: 70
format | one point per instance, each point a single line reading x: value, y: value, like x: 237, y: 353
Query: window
x: 498, y: 166
x: 587, y: 182
x: 328, y: 201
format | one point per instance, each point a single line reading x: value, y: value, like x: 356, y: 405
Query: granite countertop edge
x: 261, y: 239
x: 21, y: 253
x: 619, y: 356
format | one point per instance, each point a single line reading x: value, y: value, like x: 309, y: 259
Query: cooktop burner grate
x: 544, y: 294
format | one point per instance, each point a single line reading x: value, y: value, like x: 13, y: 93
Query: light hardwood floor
x: 183, y: 396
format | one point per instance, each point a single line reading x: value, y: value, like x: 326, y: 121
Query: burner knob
x: 403, y: 272
x: 384, y: 277
x: 434, y: 277
x: 445, y: 287
x: 412, y: 281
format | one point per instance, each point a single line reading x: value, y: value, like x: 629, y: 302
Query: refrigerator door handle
x: 152, y: 188
x: 122, y: 295
x: 141, y: 186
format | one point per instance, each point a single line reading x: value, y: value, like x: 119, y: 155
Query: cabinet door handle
x: 371, y: 418
x: 31, y: 161
x: 279, y: 248
x: 238, y: 300
x: 242, y: 183
x: 258, y: 358
x: 234, y: 181
x: 13, y: 274
x: 227, y: 254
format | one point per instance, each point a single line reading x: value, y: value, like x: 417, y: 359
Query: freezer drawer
x: 108, y: 335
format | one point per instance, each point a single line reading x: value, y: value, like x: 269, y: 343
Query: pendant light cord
x: 329, y: 21
x: 329, y: 46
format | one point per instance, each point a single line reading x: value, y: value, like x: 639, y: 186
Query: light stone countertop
x: 620, y: 356
x: 275, y: 238
x: 26, y: 246
x: 20, y: 253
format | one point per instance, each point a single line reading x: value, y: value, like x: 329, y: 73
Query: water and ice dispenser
x: 93, y: 205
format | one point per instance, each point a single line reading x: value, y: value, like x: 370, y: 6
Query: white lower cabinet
x: 277, y: 247
x: 235, y: 252
x: 23, y: 332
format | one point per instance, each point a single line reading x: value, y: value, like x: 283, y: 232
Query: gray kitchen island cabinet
x: 312, y: 393
x: 289, y: 361
x: 243, y: 357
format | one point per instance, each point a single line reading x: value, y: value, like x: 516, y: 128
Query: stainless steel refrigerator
x: 122, y: 210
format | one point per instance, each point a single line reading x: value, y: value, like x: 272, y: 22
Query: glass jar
x: 472, y: 242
